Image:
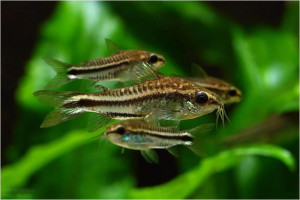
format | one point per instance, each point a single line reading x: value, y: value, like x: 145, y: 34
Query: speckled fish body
x: 164, y: 93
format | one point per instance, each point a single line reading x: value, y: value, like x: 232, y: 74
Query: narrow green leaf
x: 17, y: 174
x: 185, y: 184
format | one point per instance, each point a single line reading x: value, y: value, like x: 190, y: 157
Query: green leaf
x: 268, y: 65
x: 184, y: 185
x: 17, y: 174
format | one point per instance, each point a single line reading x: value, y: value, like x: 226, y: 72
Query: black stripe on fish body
x: 80, y: 103
x: 124, y: 115
x: 184, y: 138
x: 127, y: 102
x: 98, y: 69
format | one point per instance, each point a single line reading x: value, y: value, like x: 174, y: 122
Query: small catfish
x: 227, y: 92
x: 139, y: 135
x: 112, y: 68
x: 158, y: 98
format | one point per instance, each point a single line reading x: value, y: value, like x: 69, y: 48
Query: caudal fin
x: 200, y: 136
x: 61, y: 69
x: 57, y: 99
x: 54, y: 98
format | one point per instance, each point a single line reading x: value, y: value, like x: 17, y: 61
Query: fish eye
x: 232, y: 92
x: 201, y: 98
x: 121, y: 130
x: 153, y: 58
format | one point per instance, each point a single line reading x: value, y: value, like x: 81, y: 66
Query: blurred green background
x: 254, y: 156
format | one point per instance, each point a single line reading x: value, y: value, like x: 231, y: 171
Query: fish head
x: 226, y: 91
x: 120, y: 133
x: 115, y: 133
x: 232, y: 95
x: 155, y: 60
x: 203, y: 101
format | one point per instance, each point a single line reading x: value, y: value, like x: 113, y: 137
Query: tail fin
x: 61, y: 69
x: 200, y: 136
x: 54, y: 98
x: 57, y: 99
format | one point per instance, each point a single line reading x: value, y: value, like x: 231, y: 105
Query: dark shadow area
x: 20, y: 24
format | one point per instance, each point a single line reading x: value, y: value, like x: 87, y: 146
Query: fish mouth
x: 240, y: 97
x: 162, y: 60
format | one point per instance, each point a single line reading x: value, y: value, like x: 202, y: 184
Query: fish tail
x: 200, y: 136
x: 54, y: 98
x: 61, y: 69
x: 57, y: 99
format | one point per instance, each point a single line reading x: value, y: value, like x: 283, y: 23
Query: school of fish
x: 150, y: 108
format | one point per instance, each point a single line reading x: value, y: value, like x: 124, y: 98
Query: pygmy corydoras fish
x: 226, y: 91
x: 139, y: 135
x: 113, y: 68
x: 163, y: 97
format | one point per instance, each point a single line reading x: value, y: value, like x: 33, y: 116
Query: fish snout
x: 216, y: 101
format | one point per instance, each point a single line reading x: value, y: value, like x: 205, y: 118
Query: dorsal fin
x: 95, y: 88
x: 112, y: 47
x: 198, y: 71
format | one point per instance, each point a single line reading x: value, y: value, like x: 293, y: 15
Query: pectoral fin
x: 138, y: 72
x: 166, y: 117
x: 174, y: 151
x: 150, y: 156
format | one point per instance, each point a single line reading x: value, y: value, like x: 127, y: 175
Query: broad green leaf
x: 268, y: 62
x: 184, y: 185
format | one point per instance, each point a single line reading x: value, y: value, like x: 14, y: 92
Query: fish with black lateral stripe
x: 163, y: 97
x: 139, y: 135
x: 110, y: 68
